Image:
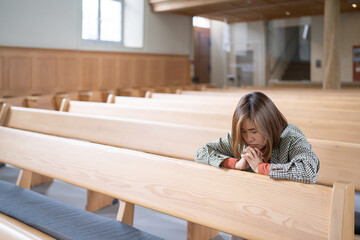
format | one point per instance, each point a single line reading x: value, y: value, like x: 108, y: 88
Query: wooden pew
x: 289, y: 104
x: 169, y: 115
x: 15, y: 101
x: 162, y: 139
x: 30, y: 215
x: 95, y: 96
x: 181, y: 188
x: 312, y: 128
x: 329, y: 152
x: 227, y: 105
x: 298, y: 92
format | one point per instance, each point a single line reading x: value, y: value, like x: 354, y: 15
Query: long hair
x: 267, y: 118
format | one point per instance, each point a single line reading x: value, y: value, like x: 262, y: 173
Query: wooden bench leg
x: 24, y: 179
x: 96, y: 200
x: 27, y: 179
x: 199, y: 232
x: 126, y: 213
x: 40, y: 179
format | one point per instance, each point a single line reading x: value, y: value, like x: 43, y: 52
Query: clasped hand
x: 251, y: 157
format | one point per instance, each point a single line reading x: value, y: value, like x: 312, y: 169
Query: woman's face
x: 251, y: 135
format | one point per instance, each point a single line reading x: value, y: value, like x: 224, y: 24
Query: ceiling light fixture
x: 354, y: 5
x: 287, y: 13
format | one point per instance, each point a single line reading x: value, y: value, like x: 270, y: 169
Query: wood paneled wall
x: 25, y: 71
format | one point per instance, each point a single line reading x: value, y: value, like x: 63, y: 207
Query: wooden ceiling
x: 248, y: 10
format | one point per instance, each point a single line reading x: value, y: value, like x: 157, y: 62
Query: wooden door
x: 202, y: 55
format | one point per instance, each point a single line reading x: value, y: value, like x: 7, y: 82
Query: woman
x: 262, y: 141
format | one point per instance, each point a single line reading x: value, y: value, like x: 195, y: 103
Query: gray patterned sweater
x: 292, y: 160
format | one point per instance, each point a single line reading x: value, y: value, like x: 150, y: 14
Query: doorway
x: 245, y: 68
x: 356, y: 63
x: 202, y: 55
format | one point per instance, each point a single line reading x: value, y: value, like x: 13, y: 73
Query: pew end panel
x: 342, y: 211
x: 110, y: 98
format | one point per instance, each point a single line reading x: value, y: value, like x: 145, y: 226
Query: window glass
x: 102, y: 20
x: 90, y: 11
x: 110, y: 20
x: 201, y: 22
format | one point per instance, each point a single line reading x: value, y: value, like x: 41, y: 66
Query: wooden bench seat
x: 181, y: 188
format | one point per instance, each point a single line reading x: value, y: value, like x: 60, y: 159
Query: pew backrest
x: 168, y: 115
x: 166, y: 139
x: 346, y: 131
x: 352, y: 95
x: 291, y: 106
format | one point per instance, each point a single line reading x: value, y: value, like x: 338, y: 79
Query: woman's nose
x: 247, y: 138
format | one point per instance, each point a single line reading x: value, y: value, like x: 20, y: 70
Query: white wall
x: 39, y: 23
x: 57, y: 24
x: 168, y: 33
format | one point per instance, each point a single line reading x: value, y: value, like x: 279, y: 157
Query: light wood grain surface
x: 192, y: 191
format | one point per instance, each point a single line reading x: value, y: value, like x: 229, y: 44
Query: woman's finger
x: 258, y: 152
x: 252, y: 152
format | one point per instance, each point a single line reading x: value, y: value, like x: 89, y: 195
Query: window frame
x: 98, y: 40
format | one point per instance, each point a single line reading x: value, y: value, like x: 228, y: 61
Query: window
x: 102, y: 20
x: 201, y: 22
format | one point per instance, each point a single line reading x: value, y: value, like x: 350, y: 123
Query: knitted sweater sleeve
x: 214, y: 153
x: 297, y: 161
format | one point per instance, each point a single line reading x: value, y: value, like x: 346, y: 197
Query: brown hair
x: 267, y: 118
